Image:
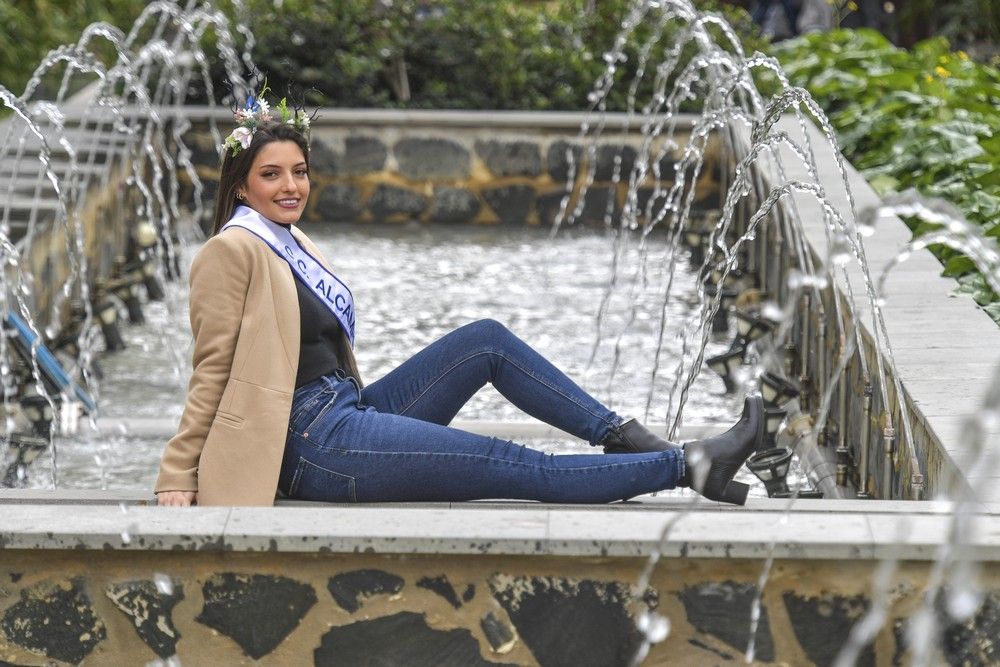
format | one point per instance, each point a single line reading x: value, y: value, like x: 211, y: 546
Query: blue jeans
x: 389, y: 441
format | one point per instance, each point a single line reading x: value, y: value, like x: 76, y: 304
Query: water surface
x: 413, y: 284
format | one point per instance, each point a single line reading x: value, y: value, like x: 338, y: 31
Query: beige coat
x: 245, y: 320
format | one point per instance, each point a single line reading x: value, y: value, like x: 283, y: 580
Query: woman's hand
x: 177, y: 498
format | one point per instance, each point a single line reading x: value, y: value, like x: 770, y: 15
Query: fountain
x: 839, y: 565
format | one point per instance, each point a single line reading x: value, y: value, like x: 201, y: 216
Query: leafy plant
x: 926, y: 118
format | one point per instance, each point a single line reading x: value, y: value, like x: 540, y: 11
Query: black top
x: 320, y: 338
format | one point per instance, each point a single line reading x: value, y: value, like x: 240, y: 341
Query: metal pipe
x: 888, y: 445
x: 753, y: 252
x: 763, y: 250
x: 842, y: 411
x: 866, y: 430
x: 817, y: 463
x: 820, y: 380
x: 916, y: 479
x: 781, y: 264
x: 842, y: 451
x: 805, y: 395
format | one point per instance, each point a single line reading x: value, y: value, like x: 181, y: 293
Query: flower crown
x: 257, y: 111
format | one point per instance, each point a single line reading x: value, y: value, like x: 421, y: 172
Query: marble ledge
x: 917, y: 532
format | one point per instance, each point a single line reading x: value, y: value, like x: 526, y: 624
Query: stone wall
x: 486, y: 168
x: 287, y: 609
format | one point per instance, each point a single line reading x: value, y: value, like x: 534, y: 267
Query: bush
x: 926, y: 118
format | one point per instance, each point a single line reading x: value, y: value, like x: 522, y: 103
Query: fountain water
x: 114, y: 130
x: 732, y: 106
x: 126, y: 122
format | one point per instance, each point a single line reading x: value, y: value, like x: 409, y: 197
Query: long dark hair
x: 235, y: 169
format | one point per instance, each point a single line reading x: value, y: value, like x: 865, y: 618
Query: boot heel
x: 735, y: 493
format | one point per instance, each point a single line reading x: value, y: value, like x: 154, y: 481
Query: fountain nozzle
x: 725, y: 365
x: 773, y: 417
x: 771, y: 467
x: 696, y: 240
x: 751, y: 326
x: 720, y: 321
x: 777, y: 390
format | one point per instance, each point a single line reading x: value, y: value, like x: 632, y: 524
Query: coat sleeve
x: 219, y: 279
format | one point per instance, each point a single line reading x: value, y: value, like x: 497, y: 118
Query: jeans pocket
x: 319, y: 416
x: 313, y: 482
x: 326, y: 395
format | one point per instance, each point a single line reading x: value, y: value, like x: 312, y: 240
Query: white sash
x: 326, y: 286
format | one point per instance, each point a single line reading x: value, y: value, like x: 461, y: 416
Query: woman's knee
x: 484, y: 337
x: 488, y: 330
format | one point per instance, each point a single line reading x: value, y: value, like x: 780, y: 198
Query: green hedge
x: 926, y: 118
x: 501, y: 54
x: 31, y: 28
x: 457, y: 54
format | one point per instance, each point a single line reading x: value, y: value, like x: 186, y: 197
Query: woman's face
x: 277, y: 186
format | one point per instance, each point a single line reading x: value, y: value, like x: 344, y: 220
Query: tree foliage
x: 450, y: 54
x: 31, y: 28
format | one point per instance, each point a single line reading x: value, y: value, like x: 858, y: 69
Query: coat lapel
x: 285, y: 299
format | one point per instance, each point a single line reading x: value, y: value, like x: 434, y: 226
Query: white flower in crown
x: 263, y: 110
x: 243, y: 135
x: 238, y: 140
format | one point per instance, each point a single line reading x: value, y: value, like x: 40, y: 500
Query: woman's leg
x: 341, y: 451
x: 436, y: 382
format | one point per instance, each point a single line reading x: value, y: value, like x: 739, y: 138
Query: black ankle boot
x: 631, y: 437
x: 711, y: 464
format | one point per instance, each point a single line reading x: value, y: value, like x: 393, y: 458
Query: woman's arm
x: 220, y: 277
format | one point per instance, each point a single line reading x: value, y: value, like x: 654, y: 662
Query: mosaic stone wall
x: 290, y: 609
x: 466, y: 175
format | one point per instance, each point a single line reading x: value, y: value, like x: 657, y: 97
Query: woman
x: 276, y: 406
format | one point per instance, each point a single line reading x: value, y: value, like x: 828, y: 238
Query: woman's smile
x: 277, y: 186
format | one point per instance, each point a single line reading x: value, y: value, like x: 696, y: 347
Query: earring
x: 240, y: 196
